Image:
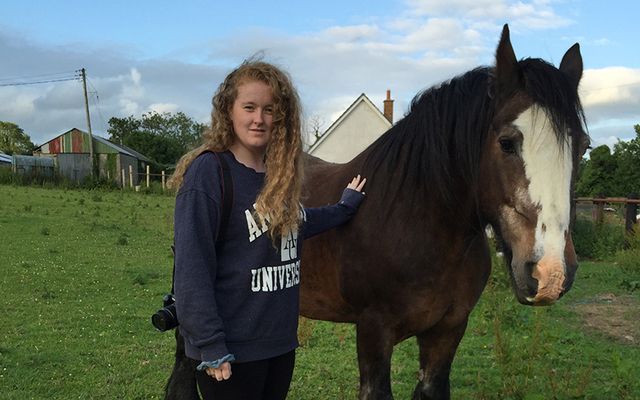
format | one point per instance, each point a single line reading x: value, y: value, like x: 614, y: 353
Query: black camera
x: 166, y: 318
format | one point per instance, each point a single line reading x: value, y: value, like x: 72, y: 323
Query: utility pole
x: 86, y: 108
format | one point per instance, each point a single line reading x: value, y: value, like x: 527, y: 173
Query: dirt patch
x: 616, y: 316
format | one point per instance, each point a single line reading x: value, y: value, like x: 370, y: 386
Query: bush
x: 155, y: 188
x: 629, y: 262
x: 8, y: 177
x: 56, y: 181
x: 597, y: 241
x: 98, y: 183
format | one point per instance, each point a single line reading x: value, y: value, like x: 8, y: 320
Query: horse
x: 494, y: 146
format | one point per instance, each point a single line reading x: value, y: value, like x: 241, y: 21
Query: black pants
x: 256, y: 380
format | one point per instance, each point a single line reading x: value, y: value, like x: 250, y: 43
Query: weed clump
x: 122, y: 240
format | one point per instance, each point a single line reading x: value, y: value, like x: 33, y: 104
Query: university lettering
x: 270, y: 279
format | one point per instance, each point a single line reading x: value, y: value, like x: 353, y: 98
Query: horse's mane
x: 439, y: 141
x: 550, y: 88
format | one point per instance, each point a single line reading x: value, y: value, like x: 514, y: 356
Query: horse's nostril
x: 532, y: 283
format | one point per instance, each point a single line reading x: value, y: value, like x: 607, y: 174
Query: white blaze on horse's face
x: 548, y: 166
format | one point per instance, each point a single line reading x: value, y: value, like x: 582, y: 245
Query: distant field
x: 82, y: 271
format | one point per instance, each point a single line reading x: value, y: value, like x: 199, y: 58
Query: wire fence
x: 600, y: 206
x: 143, y: 178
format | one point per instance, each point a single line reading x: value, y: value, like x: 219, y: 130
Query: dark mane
x: 439, y: 139
x: 550, y: 88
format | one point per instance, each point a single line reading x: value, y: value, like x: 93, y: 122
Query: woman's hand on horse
x: 222, y: 373
x: 357, y: 183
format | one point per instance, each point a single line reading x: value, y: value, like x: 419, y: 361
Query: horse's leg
x: 437, y: 349
x: 182, y: 383
x: 375, y: 345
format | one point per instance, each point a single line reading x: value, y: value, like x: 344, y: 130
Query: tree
x: 627, y: 156
x: 598, y: 174
x: 611, y: 174
x: 162, y: 137
x: 314, y: 129
x: 120, y: 128
x: 13, y: 140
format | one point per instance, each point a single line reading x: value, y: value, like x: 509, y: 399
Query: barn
x: 358, y: 126
x: 71, y: 153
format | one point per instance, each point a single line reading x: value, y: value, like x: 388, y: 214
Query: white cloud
x: 351, y: 33
x: 15, y: 102
x: 440, y: 7
x: 611, y: 93
x: 128, y: 107
x: 164, y: 108
x: 61, y: 96
x: 439, y: 33
x: 538, y: 14
x: 136, y: 77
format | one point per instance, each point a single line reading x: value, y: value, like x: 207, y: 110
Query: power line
x: 97, y: 104
x: 50, y: 75
x: 75, y: 78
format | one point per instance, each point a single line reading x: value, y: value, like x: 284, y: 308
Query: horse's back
x: 321, y: 288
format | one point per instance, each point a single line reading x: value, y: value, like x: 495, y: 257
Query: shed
x: 5, y: 160
x: 31, y: 165
x: 71, y: 150
x: 358, y: 126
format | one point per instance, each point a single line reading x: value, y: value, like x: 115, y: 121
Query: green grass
x: 77, y: 299
x: 82, y: 271
x: 509, y: 351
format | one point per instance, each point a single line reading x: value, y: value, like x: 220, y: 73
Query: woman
x: 237, y: 285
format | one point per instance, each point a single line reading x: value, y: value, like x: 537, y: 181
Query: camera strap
x: 227, y: 201
x: 227, y: 196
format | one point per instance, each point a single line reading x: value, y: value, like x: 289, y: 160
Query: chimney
x: 388, y: 107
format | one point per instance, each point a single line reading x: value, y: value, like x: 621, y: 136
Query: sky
x: 168, y: 56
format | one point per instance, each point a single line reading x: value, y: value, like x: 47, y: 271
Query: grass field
x: 82, y: 271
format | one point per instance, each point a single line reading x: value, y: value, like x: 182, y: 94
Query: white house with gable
x: 359, y: 126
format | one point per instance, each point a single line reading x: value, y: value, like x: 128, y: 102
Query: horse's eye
x: 585, y: 144
x: 508, y: 146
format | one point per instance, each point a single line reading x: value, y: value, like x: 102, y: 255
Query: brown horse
x: 496, y: 146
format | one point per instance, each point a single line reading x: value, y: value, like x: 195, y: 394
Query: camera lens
x: 165, y: 319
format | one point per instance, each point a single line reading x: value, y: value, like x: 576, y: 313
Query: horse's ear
x: 571, y: 65
x: 507, y: 74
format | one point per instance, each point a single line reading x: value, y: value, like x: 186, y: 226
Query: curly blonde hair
x: 279, y: 199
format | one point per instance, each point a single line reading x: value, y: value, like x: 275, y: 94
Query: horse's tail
x: 182, y: 382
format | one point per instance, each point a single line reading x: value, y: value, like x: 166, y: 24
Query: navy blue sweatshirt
x: 241, y: 295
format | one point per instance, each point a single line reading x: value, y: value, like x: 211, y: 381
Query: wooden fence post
x: 631, y: 210
x: 131, y: 176
x: 148, y: 172
x: 124, y: 179
x: 163, y: 180
x: 598, y: 210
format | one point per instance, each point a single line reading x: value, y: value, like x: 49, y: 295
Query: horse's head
x: 527, y: 173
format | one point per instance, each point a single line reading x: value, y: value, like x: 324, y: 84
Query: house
x: 71, y: 153
x: 359, y: 126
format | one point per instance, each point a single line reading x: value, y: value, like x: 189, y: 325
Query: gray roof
x: 120, y: 147
x: 5, y: 158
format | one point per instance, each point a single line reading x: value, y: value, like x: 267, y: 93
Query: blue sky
x: 170, y: 56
